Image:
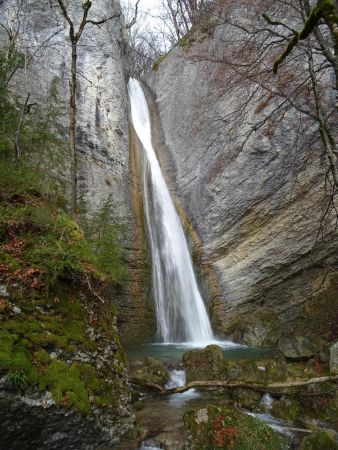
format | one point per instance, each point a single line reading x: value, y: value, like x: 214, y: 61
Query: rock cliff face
x: 102, y: 116
x: 257, y: 209
x: 105, y: 167
x: 34, y: 419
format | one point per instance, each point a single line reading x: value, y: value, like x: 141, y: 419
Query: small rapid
x: 180, y: 311
x: 179, y: 378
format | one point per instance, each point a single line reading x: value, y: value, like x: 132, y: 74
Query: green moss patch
x: 28, y: 340
x: 157, y: 63
x: 317, y: 318
x: 53, y: 272
x: 221, y: 427
x: 40, y: 243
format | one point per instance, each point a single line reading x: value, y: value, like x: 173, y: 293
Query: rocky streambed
x: 303, y: 417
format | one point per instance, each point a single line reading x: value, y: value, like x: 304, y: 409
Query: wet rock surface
x: 149, y: 370
x: 256, y: 210
x: 297, y: 348
x: 24, y: 426
x: 262, y: 329
x: 204, y: 365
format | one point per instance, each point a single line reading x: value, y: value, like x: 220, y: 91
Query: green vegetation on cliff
x: 57, y: 324
x: 53, y: 315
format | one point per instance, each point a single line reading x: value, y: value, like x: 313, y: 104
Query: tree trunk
x: 238, y: 384
x: 72, y: 133
x: 18, y: 131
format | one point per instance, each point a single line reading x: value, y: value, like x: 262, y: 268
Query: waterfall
x: 180, y: 311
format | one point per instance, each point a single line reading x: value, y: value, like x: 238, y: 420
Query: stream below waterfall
x: 159, y: 418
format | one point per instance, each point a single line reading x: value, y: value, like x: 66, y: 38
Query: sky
x: 150, y: 8
x: 145, y: 4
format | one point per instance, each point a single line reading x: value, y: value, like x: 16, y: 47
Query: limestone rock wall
x: 102, y: 117
x: 257, y: 209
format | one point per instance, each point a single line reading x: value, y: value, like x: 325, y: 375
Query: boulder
x: 262, y: 370
x: 300, y: 369
x: 204, y: 364
x: 246, y: 398
x: 261, y: 329
x: 151, y: 370
x: 286, y: 408
x: 320, y: 441
x: 224, y: 426
x: 297, y: 348
x: 334, y: 357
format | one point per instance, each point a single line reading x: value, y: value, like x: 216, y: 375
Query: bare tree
x: 321, y: 22
x: 153, y: 33
x: 148, y: 36
x: 181, y: 15
x: 252, y: 47
x: 74, y: 36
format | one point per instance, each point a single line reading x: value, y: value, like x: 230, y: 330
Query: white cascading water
x: 180, y: 311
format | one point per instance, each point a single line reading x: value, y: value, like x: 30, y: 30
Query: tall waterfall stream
x: 180, y: 312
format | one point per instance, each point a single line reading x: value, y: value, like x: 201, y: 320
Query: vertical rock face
x: 256, y: 208
x: 102, y: 116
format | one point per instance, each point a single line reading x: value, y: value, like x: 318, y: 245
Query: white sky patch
x: 147, y: 4
x: 148, y: 19
x: 148, y: 9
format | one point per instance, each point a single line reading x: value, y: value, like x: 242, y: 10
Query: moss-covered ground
x: 53, y: 308
x: 221, y: 427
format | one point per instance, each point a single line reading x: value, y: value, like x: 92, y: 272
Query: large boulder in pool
x: 297, y: 348
x: 260, y: 329
x: 150, y: 370
x: 204, y: 364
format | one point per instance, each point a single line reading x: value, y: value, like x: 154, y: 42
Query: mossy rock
x: 222, y: 427
x: 320, y: 401
x: 44, y: 344
x: 262, y: 329
x: 301, y: 369
x: 316, y: 401
x: 246, y: 398
x: 204, y: 364
x: 297, y: 348
x: 286, y: 408
x: 262, y: 371
x: 151, y: 370
x: 323, y: 440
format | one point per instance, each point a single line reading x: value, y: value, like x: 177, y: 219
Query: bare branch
x: 133, y: 20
